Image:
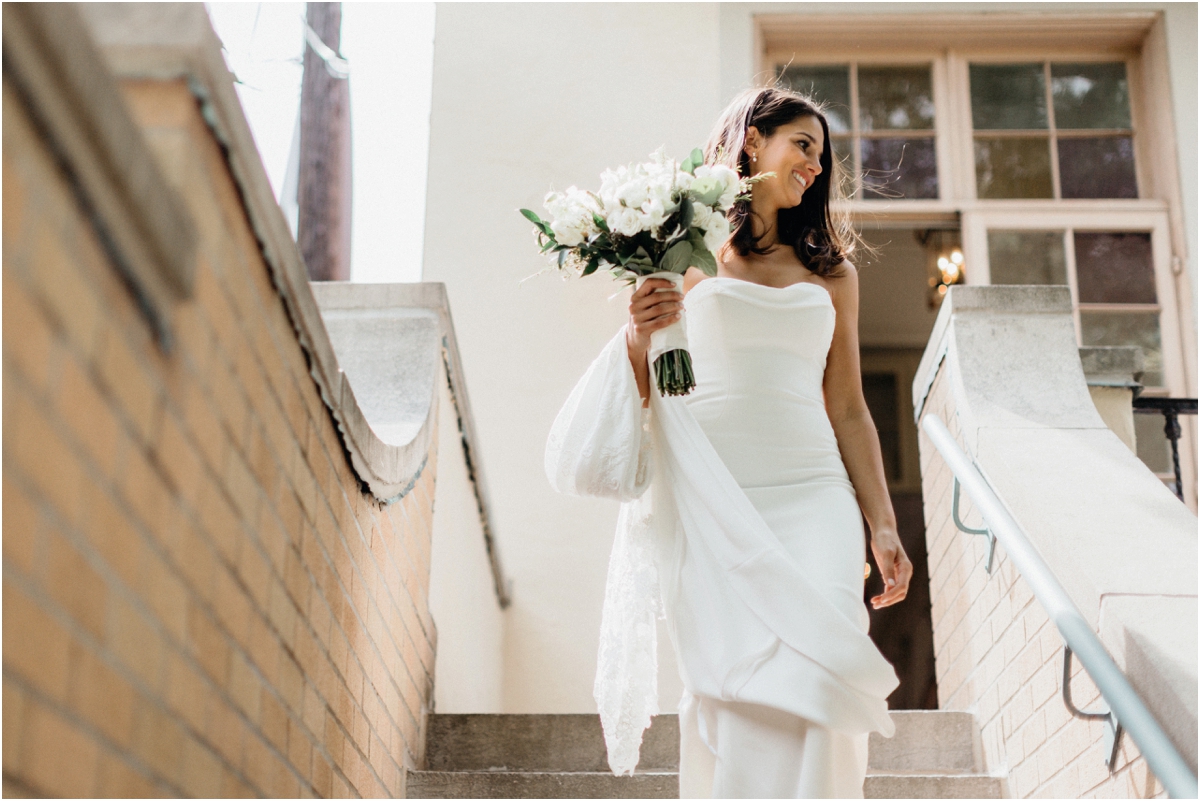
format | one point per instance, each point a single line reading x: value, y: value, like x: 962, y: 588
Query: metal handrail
x: 1125, y: 704
x: 1170, y: 409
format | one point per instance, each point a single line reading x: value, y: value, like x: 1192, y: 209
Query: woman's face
x: 793, y: 153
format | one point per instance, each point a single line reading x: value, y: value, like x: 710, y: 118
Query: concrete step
x: 932, y: 741
x: 539, y: 784
x: 572, y: 743
x: 548, y: 784
x: 932, y: 786
x: 934, y: 754
x: 927, y: 741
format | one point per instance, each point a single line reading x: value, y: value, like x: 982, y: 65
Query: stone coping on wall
x: 174, y: 41
x: 1118, y: 540
x: 393, y: 341
x: 139, y: 220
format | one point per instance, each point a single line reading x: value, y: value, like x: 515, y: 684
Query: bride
x: 741, y: 522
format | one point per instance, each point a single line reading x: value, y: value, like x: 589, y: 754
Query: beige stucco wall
x: 527, y: 97
x: 469, y: 669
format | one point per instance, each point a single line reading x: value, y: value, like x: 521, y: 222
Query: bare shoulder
x: 843, y: 284
x: 693, y: 276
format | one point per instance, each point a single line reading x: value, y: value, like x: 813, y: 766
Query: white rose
x: 702, y: 216
x: 732, y: 183
x: 625, y: 221
x: 654, y: 213
x: 716, y: 233
x: 633, y: 193
x: 567, y: 233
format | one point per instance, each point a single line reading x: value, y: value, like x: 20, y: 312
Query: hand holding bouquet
x: 650, y: 220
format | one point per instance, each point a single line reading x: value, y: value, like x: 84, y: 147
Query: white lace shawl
x: 600, y: 445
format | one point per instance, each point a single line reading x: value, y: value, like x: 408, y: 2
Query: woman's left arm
x: 858, y: 439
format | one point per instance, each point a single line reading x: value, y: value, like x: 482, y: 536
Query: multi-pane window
x: 1052, y: 130
x: 1111, y: 275
x: 881, y: 121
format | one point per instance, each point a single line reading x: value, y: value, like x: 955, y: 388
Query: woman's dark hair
x: 821, y: 237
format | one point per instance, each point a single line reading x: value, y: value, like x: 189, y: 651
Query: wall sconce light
x: 947, y: 265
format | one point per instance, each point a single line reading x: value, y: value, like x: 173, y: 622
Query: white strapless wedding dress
x: 749, y: 543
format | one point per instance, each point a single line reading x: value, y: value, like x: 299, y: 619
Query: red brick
x: 147, y: 495
x: 21, y: 528
x: 36, y: 646
x: 205, y: 428
x: 201, y: 772
x: 118, y: 779
x: 165, y: 594
x: 178, y: 460
x: 60, y: 759
x: 221, y: 523
x: 88, y: 416
x: 242, y: 486
x: 273, y: 722
x: 127, y: 381
x: 188, y: 695
x: 135, y: 642
x: 232, y: 604
x: 112, y: 534
x: 29, y: 343
x: 37, y: 449
x: 14, y: 726
x: 226, y: 731
x: 322, y: 777
x: 208, y: 646
x: 67, y: 295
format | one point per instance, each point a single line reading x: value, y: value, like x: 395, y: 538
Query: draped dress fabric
x: 740, y: 528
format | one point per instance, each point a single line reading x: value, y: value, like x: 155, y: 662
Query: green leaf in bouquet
x: 592, y: 265
x: 562, y: 256
x: 703, y: 258
x: 708, y: 198
x: 685, y: 214
x: 542, y: 225
x: 677, y: 258
x: 694, y: 160
x: 599, y: 221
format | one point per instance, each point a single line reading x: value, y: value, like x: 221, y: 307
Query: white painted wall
x: 526, y: 97
x: 468, y: 673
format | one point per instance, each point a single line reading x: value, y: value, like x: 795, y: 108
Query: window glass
x: 1008, y: 96
x: 895, y: 98
x: 829, y: 85
x: 1090, y: 95
x: 1013, y: 167
x: 1126, y: 328
x: 1114, y: 268
x: 899, y: 168
x: 1027, y: 257
x: 1097, y: 167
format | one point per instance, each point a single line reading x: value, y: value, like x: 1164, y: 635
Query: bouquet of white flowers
x: 651, y: 220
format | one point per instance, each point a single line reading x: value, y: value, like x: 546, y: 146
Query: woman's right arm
x: 648, y: 312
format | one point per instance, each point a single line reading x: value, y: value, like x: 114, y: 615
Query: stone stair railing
x: 932, y: 755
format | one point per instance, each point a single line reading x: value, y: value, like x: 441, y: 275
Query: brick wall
x: 999, y: 656
x: 199, y: 598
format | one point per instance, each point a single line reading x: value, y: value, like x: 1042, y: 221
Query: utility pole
x: 324, y: 190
